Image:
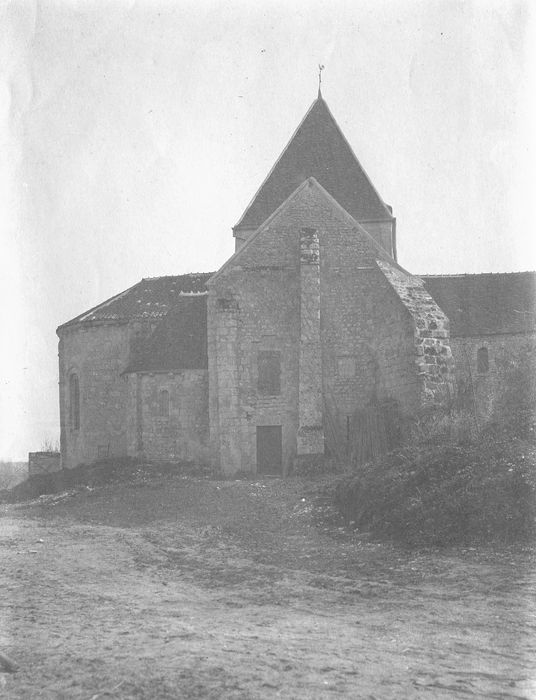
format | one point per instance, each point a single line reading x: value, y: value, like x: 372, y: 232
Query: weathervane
x: 320, y: 69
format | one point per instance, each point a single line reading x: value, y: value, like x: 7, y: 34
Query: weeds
x: 450, y: 484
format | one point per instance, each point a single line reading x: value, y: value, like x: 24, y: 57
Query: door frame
x: 278, y: 431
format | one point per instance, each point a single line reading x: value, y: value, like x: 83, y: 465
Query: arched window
x: 74, y: 402
x: 482, y: 360
x: 163, y: 403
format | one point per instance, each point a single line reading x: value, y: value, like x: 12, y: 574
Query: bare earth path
x: 189, y: 588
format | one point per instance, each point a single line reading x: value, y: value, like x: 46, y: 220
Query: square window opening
x: 269, y: 372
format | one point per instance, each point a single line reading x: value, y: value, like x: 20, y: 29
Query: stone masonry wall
x: 97, y: 355
x: 362, y: 321
x: 183, y: 434
x: 368, y: 344
x: 248, y: 312
x: 367, y: 334
x: 510, y: 380
x: 382, y: 231
x: 253, y: 305
x: 310, y: 439
x: 225, y: 379
x: 433, y: 354
x: 43, y: 463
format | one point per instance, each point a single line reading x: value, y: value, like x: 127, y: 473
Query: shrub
x: 441, y: 494
x: 457, y: 425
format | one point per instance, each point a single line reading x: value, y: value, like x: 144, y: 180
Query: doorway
x: 269, y: 450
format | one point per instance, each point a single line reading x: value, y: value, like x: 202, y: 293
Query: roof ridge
x: 479, y: 274
x: 182, y: 274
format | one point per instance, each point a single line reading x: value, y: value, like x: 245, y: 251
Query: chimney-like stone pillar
x: 310, y: 405
x: 228, y: 431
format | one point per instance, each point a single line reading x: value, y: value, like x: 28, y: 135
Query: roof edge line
x: 374, y: 221
x: 311, y: 181
x: 80, y: 318
x: 448, y: 275
x: 248, y: 206
x: 359, y: 162
x: 356, y: 224
x: 256, y: 232
x: 169, y: 277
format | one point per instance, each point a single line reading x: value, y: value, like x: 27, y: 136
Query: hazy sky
x: 137, y: 132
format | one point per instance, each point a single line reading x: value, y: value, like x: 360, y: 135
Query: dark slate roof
x: 317, y: 149
x: 150, y: 298
x: 486, y: 304
x: 178, y: 342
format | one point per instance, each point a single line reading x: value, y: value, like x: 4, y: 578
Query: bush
x: 437, y: 426
x: 441, y: 494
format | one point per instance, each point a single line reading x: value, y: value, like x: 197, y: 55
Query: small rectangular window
x: 74, y: 402
x: 163, y: 403
x: 346, y: 367
x: 269, y: 372
x: 482, y: 360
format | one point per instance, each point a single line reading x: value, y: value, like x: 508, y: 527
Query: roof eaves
x: 477, y: 274
x: 81, y: 317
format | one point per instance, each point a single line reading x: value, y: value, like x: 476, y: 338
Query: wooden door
x: 269, y: 450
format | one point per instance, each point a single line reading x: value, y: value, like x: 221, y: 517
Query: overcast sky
x: 137, y: 132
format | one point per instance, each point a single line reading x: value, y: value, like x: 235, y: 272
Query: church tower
x: 319, y: 149
x: 312, y: 324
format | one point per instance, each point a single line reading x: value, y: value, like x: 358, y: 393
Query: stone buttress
x: 310, y: 438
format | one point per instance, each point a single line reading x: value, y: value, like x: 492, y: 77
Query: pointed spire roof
x: 317, y: 149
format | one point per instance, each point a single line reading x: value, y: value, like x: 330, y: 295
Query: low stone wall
x: 43, y: 463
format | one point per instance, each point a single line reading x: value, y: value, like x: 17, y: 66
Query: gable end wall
x: 255, y: 303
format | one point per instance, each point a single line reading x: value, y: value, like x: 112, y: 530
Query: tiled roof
x: 178, y: 342
x: 317, y: 149
x: 150, y: 298
x: 486, y: 304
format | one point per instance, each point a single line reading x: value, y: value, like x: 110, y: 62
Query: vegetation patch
x: 115, y: 470
x: 445, y: 493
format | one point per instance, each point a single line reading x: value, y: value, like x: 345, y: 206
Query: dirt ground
x: 178, y: 587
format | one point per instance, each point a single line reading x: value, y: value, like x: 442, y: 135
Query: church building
x: 311, y: 326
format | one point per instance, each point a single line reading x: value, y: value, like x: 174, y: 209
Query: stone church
x: 311, y: 322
